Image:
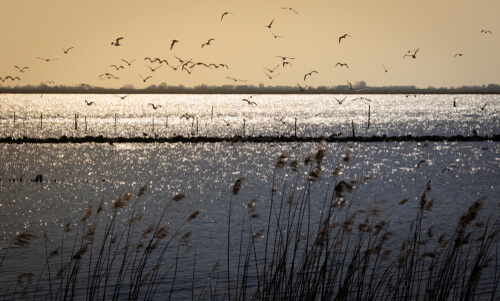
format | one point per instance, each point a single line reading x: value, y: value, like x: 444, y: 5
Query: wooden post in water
x: 85, y: 123
x: 41, y: 121
x: 369, y: 111
x: 353, y: 133
x: 295, y: 126
x: 244, y: 125
x: 212, y: 115
x: 153, y: 124
x: 115, y: 122
x: 197, y: 126
x: 166, y: 122
x: 14, y: 119
x: 76, y: 121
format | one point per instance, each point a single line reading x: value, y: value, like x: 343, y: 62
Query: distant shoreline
x: 237, y: 139
x: 251, y: 90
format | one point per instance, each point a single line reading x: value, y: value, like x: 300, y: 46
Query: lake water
x: 74, y: 174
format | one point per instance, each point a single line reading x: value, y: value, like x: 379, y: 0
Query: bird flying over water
x: 271, y: 76
x: 247, y: 100
x: 350, y: 85
x: 207, y: 43
x: 117, y: 42
x: 21, y: 69
x: 421, y: 161
x: 154, y: 106
x: 67, y: 49
x: 340, y: 101
x: 89, y: 103
x: 343, y: 37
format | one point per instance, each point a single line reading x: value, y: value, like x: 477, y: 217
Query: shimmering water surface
x: 228, y: 115
x: 74, y: 174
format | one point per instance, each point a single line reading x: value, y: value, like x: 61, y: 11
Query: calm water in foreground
x: 75, y: 174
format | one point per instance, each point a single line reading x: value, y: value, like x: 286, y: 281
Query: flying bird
x: 310, y: 73
x: 485, y: 31
x: 421, y: 161
x: 124, y: 96
x: 269, y: 26
x: 89, y: 103
x: 11, y: 78
x: 117, y: 67
x: 302, y: 88
x: 66, y: 50
x: 350, y: 85
x: 235, y: 79
x: 145, y: 79
x: 128, y: 63
x: 46, y: 59
x: 289, y: 8
x: 285, y: 57
x: 226, y: 13
x: 342, y: 64
x: 458, y: 54
x: 207, y: 43
x: 272, y: 70
x: 482, y: 108
x: 153, y: 69
x: 287, y: 63
x: 340, y: 101
x: 414, y: 55
x: 149, y: 59
x: 271, y: 76
x: 173, y: 43
x: 117, y: 42
x: 247, y: 100
x: 154, y: 106
x: 275, y: 36
x: 21, y: 69
x: 385, y: 69
x: 108, y: 76
x: 343, y: 37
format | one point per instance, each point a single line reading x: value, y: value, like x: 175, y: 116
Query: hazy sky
x: 381, y: 32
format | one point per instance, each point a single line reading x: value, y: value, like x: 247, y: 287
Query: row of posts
x: 192, y: 124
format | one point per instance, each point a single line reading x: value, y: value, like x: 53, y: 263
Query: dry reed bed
x: 347, y: 252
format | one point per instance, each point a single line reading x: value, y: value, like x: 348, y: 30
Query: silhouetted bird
x: 145, y: 79
x: 414, y: 55
x: 341, y: 65
x: 287, y: 63
x: 117, y: 67
x: 421, y: 161
x: 207, y: 43
x: 153, y: 69
x: 458, y: 54
x: 21, y: 69
x: 226, y: 13
x: 485, y: 31
x: 11, y: 78
x: 128, y: 63
x: 271, y: 76
x: 89, y: 103
x: 340, y: 101
x: 482, y: 108
x: 275, y: 36
x: 385, y: 69
x: 173, y: 43
x: 235, y: 79
x: 289, y: 8
x: 350, y: 85
x: 66, y: 50
x: 310, y: 73
x: 285, y: 57
x: 302, y: 88
x: 343, y: 37
x: 272, y: 70
x: 269, y: 26
x: 247, y: 100
x: 154, y: 106
x: 45, y: 59
x: 117, y: 42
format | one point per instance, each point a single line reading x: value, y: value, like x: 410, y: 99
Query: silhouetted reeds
x: 303, y: 247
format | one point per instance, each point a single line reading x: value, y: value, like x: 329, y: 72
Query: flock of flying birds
x: 189, y: 65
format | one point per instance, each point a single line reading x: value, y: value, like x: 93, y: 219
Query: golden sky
x: 380, y: 32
